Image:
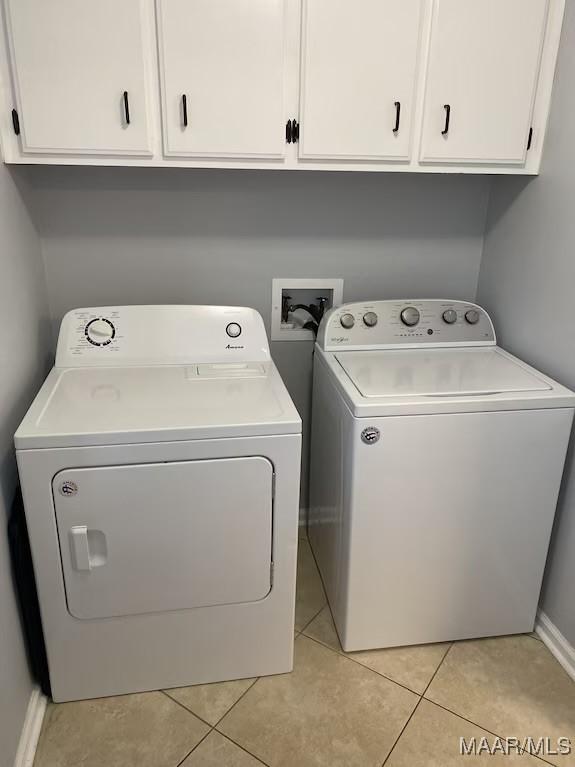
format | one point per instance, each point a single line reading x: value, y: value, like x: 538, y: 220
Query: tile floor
x: 404, y: 707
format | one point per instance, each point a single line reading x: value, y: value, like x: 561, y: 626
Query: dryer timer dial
x: 100, y: 332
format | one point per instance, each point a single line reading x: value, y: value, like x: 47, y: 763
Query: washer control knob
x: 472, y: 316
x: 99, y: 332
x: 450, y: 316
x: 347, y: 321
x: 370, y: 319
x: 234, y: 330
x: 410, y: 316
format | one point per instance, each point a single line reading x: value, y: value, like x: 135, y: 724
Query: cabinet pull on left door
x: 16, y: 122
x: 126, y: 108
x: 185, y: 110
x: 397, y: 116
x: 447, y: 108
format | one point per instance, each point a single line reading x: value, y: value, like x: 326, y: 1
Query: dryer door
x: 166, y: 536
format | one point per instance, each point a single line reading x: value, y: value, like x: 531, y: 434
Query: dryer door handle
x: 80, y: 547
x: 89, y: 548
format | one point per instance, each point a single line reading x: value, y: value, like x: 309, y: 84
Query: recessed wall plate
x: 301, y: 290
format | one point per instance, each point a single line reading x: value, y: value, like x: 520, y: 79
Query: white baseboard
x: 31, y: 729
x: 556, y: 643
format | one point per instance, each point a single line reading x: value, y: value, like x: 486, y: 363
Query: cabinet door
x: 359, y: 66
x: 482, y: 76
x: 223, y: 71
x: 72, y: 63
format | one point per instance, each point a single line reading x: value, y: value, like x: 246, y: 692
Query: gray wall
x: 528, y: 282
x: 24, y: 348
x: 169, y: 236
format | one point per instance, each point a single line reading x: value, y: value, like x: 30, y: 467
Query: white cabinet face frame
x: 471, y: 114
x: 368, y: 119
x: 97, y: 122
x: 242, y: 111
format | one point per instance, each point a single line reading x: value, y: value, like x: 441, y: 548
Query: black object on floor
x: 27, y: 595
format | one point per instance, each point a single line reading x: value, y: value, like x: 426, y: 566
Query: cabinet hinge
x: 530, y: 139
x: 16, y: 122
x: 292, y: 132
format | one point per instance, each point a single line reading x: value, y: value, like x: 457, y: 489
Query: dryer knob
x: 410, y: 316
x: 472, y: 316
x: 370, y: 319
x: 100, y: 332
x: 347, y: 321
x: 450, y: 316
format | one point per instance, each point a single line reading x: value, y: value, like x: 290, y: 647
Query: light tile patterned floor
x: 405, y: 707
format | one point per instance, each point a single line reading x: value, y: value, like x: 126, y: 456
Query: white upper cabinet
x: 483, y: 68
x: 223, y: 72
x: 461, y: 86
x: 358, y: 76
x: 79, y: 72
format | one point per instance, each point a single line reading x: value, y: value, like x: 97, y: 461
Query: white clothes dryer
x: 160, y: 467
x: 436, y: 464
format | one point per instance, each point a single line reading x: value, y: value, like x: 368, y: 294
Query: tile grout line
x: 421, y: 697
x: 243, y: 748
x: 465, y: 719
x: 189, y: 710
x: 235, y: 703
x: 224, y: 735
x: 540, y: 758
x: 396, y: 741
x: 441, y: 662
x: 482, y: 727
x: 213, y: 727
x: 311, y: 620
x: 194, y: 748
x: 342, y: 654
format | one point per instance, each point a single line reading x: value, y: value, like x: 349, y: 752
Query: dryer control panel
x: 410, y: 323
x: 161, y: 335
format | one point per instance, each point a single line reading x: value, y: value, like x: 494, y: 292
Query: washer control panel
x: 161, y: 335
x: 406, y: 324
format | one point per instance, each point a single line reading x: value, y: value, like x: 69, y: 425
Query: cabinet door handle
x: 447, y: 108
x: 288, y: 132
x: 185, y: 110
x: 397, y: 116
x: 126, y: 108
x: 295, y: 132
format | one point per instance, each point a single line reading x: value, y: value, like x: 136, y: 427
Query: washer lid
x: 437, y: 373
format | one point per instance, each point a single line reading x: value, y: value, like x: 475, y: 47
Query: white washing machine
x: 160, y: 468
x: 436, y: 464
